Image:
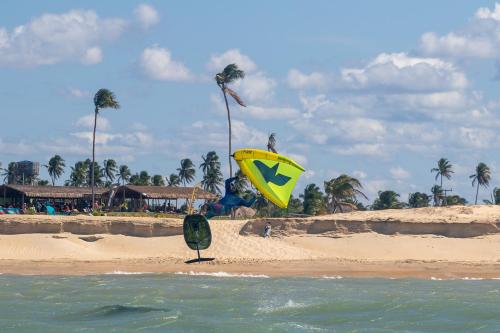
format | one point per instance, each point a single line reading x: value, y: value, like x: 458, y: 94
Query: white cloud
x: 478, y: 39
x: 271, y: 112
x: 359, y: 174
x: 55, y: 38
x: 157, y: 64
x: 146, y: 15
x: 92, y: 56
x: 233, y: 56
x: 78, y: 93
x: 398, y: 173
x: 477, y: 138
x: 299, y: 80
x: 257, y: 87
x: 399, y: 72
x: 367, y: 149
x: 88, y: 122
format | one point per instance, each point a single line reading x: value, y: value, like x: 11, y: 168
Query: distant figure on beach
x: 267, y: 230
x: 228, y: 202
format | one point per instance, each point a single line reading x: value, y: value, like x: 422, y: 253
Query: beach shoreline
x: 293, y: 268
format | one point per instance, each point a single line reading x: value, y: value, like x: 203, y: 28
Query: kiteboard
x: 274, y: 175
x: 197, y: 234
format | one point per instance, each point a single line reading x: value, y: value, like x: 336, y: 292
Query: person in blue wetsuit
x: 228, y: 202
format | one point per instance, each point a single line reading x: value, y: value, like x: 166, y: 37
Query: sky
x: 378, y: 90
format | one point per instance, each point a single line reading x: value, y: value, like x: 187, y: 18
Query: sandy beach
x: 454, y: 242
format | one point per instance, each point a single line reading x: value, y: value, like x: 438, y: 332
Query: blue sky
x: 379, y: 90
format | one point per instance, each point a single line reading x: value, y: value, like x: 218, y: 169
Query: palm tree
x: 123, y: 173
x: 241, y: 182
x: 313, y: 200
x: 454, y: 200
x: 97, y: 174
x: 482, y: 177
x: 211, y: 161
x: 110, y: 169
x: 445, y: 168
x: 437, y: 194
x: 387, y: 200
x: 79, y: 174
x: 186, y: 171
x: 230, y: 74
x: 271, y: 143
x: 157, y: 180
x: 212, y: 180
x: 9, y: 174
x: 55, y: 168
x: 103, y: 99
x: 173, y: 180
x: 418, y: 199
x: 342, y: 188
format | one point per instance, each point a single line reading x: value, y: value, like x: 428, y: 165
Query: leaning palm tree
x: 173, y: 180
x: 341, y: 189
x: 55, y: 168
x: 271, y: 143
x: 186, y: 171
x: 103, y: 99
x: 123, y: 174
x: 110, y: 168
x: 230, y: 74
x: 444, y: 168
x: 481, y: 177
x: 9, y: 174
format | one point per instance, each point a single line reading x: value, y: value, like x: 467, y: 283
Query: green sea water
x: 222, y: 303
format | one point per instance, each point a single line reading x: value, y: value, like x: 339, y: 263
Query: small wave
x: 113, y: 311
x: 223, y: 274
x: 126, y: 273
x: 290, y: 304
x: 337, y: 277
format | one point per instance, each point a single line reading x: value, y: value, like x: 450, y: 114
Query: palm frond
x: 235, y: 96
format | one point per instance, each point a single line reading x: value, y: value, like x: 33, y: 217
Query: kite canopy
x: 272, y: 174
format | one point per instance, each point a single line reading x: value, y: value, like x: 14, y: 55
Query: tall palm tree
x: 481, y: 177
x: 186, y: 171
x: 103, y: 99
x: 123, y: 174
x: 173, y: 180
x: 230, y: 74
x: 271, y: 143
x: 444, y: 168
x: 55, y: 168
x: 342, y: 188
x: 110, y: 169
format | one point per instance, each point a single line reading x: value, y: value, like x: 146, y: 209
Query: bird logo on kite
x: 271, y: 174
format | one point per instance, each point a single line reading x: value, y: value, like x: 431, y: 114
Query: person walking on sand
x: 267, y: 230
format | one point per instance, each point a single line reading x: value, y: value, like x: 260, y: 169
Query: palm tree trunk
x: 477, y: 191
x: 93, y: 159
x: 229, y: 124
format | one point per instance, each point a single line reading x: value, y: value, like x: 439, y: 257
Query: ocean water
x: 225, y: 303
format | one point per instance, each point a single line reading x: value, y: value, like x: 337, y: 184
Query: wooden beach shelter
x: 17, y: 194
x: 153, y: 194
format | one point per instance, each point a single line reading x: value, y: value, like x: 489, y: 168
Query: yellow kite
x: 272, y: 174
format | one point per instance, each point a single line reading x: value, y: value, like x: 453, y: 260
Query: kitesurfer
x: 228, y: 202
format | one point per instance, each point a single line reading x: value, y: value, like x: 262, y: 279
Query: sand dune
x: 449, y: 242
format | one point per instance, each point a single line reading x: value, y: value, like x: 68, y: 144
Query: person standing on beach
x: 267, y: 230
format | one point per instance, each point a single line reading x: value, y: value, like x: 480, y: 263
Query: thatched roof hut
x: 49, y: 192
x: 162, y: 192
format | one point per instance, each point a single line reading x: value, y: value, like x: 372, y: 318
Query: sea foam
x: 223, y: 274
